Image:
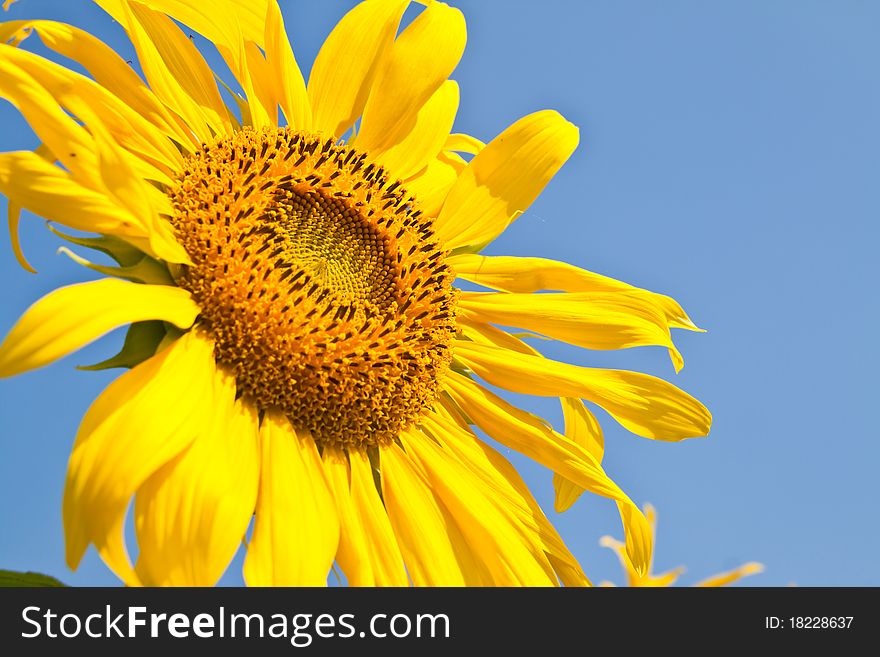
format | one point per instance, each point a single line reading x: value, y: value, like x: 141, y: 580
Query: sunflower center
x: 320, y: 282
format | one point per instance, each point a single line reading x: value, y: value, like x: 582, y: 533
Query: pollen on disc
x: 321, y: 283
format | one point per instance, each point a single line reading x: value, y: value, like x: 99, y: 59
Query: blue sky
x: 729, y: 157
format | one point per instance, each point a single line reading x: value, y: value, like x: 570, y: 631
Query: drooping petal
x: 494, y: 533
x: 504, y: 178
x: 451, y: 431
x: 425, y: 535
x: 192, y: 514
x: 13, y: 216
x: 296, y: 530
x: 51, y: 98
x: 526, y: 275
x: 644, y: 404
x: 528, y: 435
x: 176, y: 71
x: 595, y: 320
x: 141, y: 421
x: 582, y: 428
x: 492, y: 414
x: 71, y: 317
x: 492, y: 335
x: 132, y: 191
x: 64, y: 137
x: 32, y: 183
x: 237, y: 30
x: 346, y: 65
x: 114, y: 75
x: 419, y: 62
x: 368, y: 552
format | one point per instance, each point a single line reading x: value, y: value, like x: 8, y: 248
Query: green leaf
x: 10, y: 578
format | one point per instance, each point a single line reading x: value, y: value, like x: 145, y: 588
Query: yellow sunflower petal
x: 491, y: 335
x: 462, y: 143
x: 723, y: 579
x: 131, y: 191
x: 506, y: 486
x: 346, y: 65
x: 288, y: 80
x: 526, y: 275
x: 634, y: 579
x: 192, y: 514
x: 54, y: 127
x: 415, y: 149
x: 582, y: 428
x: 47, y: 94
x: 368, y: 553
x: 528, y: 435
x: 663, y: 580
x: 13, y: 216
x: 82, y: 152
x: 644, y: 404
x: 488, y: 527
x: 71, y: 317
x: 238, y: 31
x: 32, y: 183
x: 504, y: 178
x: 419, y: 62
x: 258, y: 83
x: 112, y: 73
x: 595, y: 320
x: 215, y: 21
x: 431, y: 185
x: 176, y: 71
x: 141, y: 421
x: 387, y: 561
x: 296, y: 531
x: 423, y: 531
x: 352, y: 554
x: 497, y: 418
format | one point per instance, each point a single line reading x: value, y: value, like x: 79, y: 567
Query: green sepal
x: 120, y: 250
x: 146, y: 270
x: 141, y: 342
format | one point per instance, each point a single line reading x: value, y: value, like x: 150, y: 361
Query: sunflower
x: 635, y: 578
x: 302, y: 372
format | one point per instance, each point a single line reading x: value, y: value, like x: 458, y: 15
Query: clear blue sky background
x: 729, y: 157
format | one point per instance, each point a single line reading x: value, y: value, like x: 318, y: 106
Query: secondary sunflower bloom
x: 648, y: 579
x: 298, y: 354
